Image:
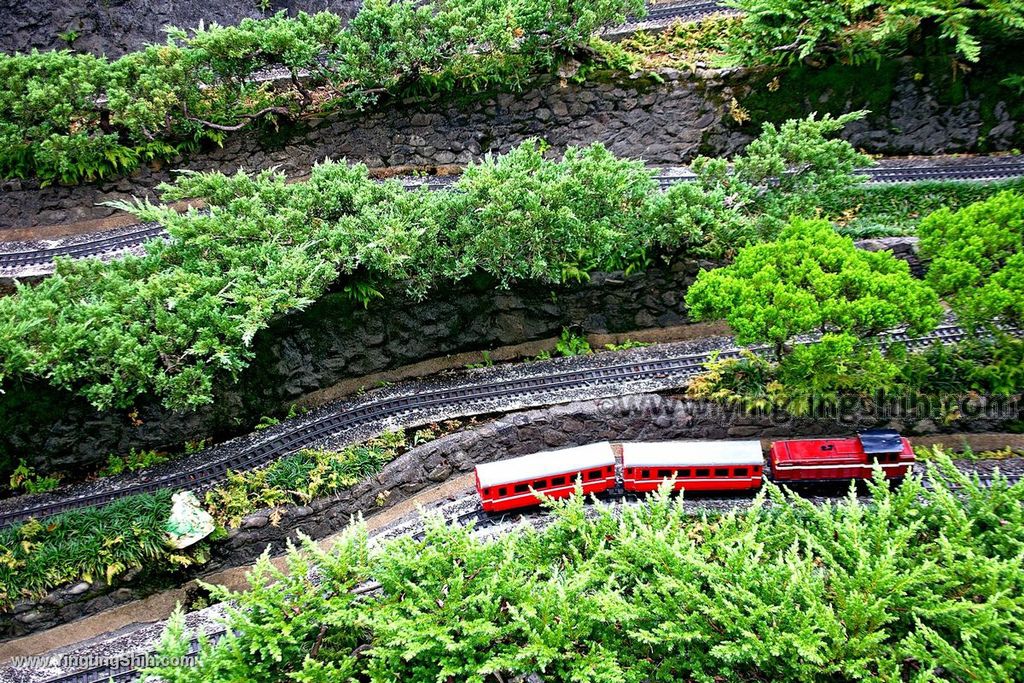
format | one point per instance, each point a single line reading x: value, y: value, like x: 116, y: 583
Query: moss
x: 777, y: 95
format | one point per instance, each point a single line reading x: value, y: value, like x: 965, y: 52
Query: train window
x: 502, y: 491
x: 487, y: 492
x: 521, y: 488
x: 703, y: 472
x: 540, y: 484
x: 684, y: 473
x: 646, y: 474
x: 722, y: 472
x: 664, y: 473
x: 558, y: 481
x: 594, y: 474
x: 828, y: 447
x: 740, y: 471
x: 757, y: 469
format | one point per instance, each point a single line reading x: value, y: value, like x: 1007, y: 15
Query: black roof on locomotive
x: 881, y: 441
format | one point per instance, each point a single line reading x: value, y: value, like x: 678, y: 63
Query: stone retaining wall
x: 333, y: 340
x: 633, y: 418
x: 665, y: 120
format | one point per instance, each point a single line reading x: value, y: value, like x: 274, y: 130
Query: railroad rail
x: 457, y: 400
x: 477, y: 517
x: 1000, y: 168
x: 681, y: 10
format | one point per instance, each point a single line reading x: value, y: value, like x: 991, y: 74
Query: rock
x: 257, y: 520
x: 31, y: 617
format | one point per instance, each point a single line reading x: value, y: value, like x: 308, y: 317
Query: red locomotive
x: 509, y: 484
x: 696, y: 466
x: 841, y: 459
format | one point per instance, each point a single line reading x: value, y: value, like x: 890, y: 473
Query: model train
x: 694, y: 465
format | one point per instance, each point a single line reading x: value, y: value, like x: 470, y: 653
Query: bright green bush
x: 812, y: 280
x: 67, y: 117
x: 915, y: 584
x: 977, y: 257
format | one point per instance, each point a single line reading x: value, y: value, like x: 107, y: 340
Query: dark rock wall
x: 664, y: 123
x: 631, y: 418
x: 334, y: 340
x: 114, y: 27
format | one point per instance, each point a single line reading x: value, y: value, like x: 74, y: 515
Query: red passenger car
x: 841, y: 459
x: 507, y: 484
x: 696, y: 465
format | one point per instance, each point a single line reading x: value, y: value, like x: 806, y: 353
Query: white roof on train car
x: 691, y: 453
x: 545, y: 463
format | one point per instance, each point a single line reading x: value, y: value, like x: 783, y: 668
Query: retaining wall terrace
x: 665, y: 120
x: 646, y: 417
x: 333, y: 340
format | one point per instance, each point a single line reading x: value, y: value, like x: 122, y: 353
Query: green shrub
x: 135, y: 460
x: 914, y: 584
x: 89, y: 544
x: 572, y: 344
x: 174, y: 321
x: 300, y: 477
x: 788, y: 170
x: 71, y: 117
x: 24, y: 478
x: 812, y: 280
x: 977, y: 257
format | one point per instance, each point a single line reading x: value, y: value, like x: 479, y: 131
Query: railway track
x: 677, y: 10
x: 477, y: 517
x: 458, y: 400
x: 100, y: 245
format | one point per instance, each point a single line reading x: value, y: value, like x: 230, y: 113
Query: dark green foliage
x: 914, y: 584
x: 858, y: 31
x: 67, y: 117
x: 977, y: 257
x: 91, y: 544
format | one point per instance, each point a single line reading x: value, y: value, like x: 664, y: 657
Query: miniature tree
x: 978, y: 259
x: 812, y: 280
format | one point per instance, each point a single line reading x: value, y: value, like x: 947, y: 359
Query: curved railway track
x: 458, y: 400
x: 100, y: 245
